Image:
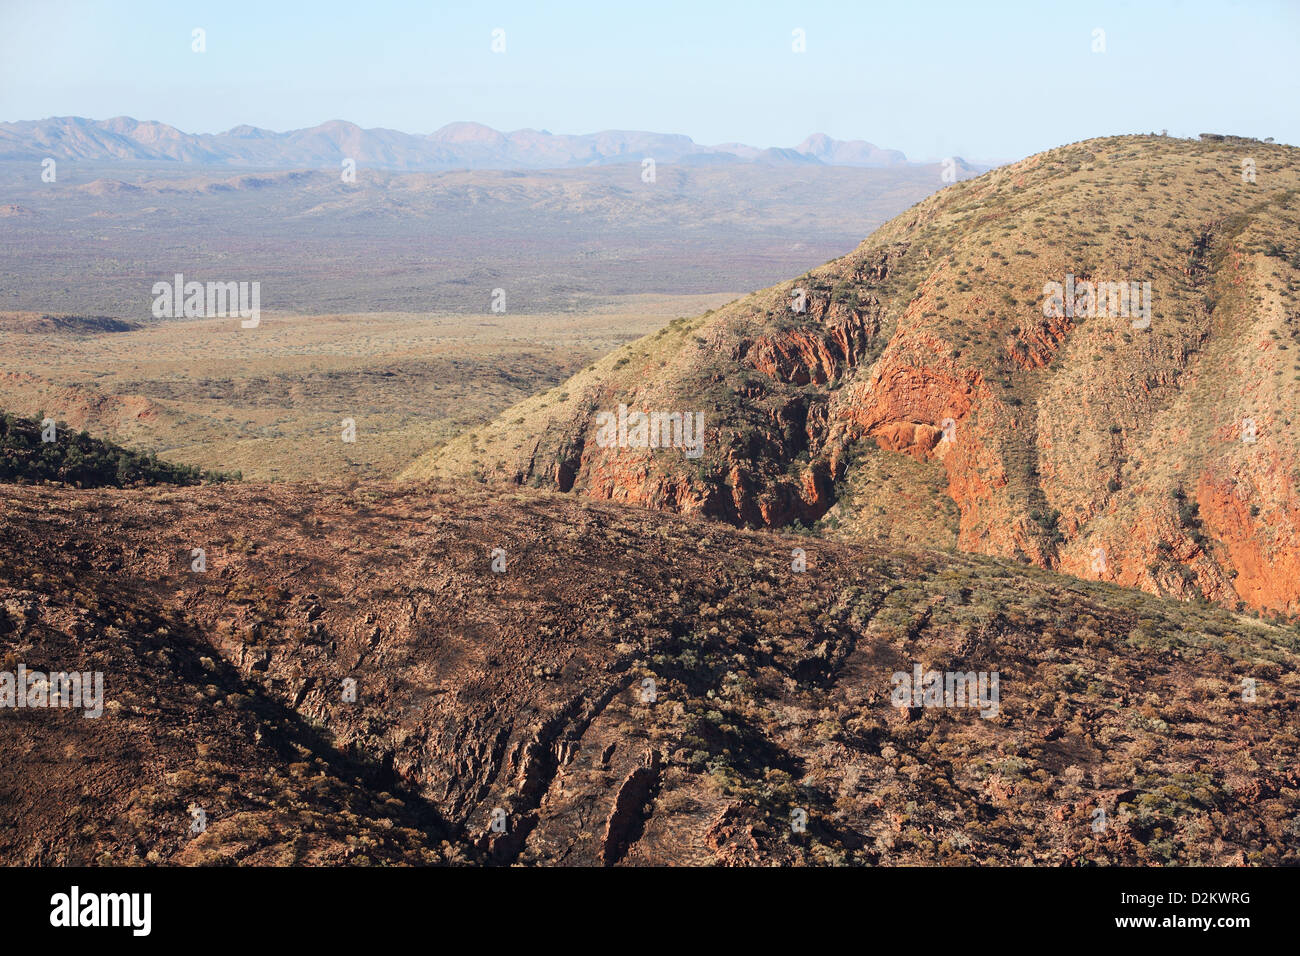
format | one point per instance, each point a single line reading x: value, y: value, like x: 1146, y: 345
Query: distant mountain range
x: 455, y: 146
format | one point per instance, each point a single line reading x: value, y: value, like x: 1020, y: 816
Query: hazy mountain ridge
x: 458, y: 145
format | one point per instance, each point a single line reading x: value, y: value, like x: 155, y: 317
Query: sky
x: 989, y: 80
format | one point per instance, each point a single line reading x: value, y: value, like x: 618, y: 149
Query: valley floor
x: 273, y: 402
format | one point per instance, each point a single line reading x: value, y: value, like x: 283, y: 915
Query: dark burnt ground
x: 633, y: 688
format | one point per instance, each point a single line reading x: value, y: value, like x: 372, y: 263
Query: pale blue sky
x: 985, y: 80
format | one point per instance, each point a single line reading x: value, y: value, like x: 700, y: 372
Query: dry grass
x: 270, y: 401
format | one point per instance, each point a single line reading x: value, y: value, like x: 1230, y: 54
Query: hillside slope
x: 929, y: 394
x: 630, y: 688
x: 75, y: 458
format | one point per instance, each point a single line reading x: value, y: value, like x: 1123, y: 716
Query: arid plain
x: 271, y: 402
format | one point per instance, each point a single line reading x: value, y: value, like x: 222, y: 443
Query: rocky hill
x: 953, y: 383
x: 410, y: 674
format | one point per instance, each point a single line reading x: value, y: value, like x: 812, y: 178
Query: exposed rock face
x: 1094, y: 443
x: 1263, y: 547
x: 350, y: 681
x: 816, y: 354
